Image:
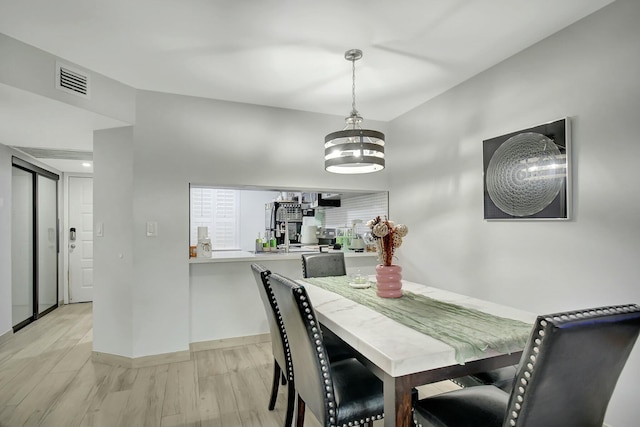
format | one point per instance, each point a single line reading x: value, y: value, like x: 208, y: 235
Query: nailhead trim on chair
x: 322, y: 358
x: 287, y: 351
x: 528, y: 370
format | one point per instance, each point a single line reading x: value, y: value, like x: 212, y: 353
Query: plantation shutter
x: 218, y: 210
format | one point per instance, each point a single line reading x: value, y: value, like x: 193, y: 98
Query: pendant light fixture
x: 353, y: 149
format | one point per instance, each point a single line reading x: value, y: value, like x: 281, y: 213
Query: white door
x: 80, y: 238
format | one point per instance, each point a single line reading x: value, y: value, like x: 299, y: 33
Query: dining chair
x: 337, y: 349
x: 322, y: 264
x: 282, y: 368
x: 566, y: 375
x: 339, y: 394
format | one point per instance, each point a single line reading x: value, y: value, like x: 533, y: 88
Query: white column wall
x: 588, y: 72
x: 114, y: 258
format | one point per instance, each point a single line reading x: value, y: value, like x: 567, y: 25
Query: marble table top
x: 397, y: 349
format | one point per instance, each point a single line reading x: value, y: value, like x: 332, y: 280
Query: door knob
x: 72, y: 246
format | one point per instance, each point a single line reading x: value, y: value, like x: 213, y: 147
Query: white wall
x: 252, y: 216
x: 114, y: 256
x: 588, y: 72
x: 30, y: 69
x: 34, y: 70
x: 178, y: 140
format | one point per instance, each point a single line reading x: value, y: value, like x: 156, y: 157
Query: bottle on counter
x: 259, y: 244
x: 265, y: 243
x: 273, y: 244
x: 203, y: 249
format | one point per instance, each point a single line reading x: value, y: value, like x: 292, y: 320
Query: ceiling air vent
x: 52, y: 153
x: 72, y: 80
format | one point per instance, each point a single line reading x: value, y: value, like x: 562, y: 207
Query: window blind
x: 218, y: 210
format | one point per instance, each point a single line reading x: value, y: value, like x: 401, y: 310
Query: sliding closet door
x: 22, y: 247
x: 34, y: 242
x: 47, y: 244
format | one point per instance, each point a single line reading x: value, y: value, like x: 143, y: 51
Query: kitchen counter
x: 294, y: 253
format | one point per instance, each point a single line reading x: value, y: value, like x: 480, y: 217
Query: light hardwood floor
x: 47, y: 378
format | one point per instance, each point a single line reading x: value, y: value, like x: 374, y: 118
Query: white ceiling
x: 281, y: 53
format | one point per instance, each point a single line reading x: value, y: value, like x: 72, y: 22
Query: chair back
x: 314, y: 382
x: 323, y: 264
x: 279, y: 342
x: 570, y: 367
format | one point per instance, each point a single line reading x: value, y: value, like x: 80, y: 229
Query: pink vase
x: 389, y: 281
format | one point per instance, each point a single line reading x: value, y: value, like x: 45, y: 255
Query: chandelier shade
x: 354, y: 150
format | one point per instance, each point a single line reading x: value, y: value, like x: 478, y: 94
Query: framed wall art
x: 527, y: 173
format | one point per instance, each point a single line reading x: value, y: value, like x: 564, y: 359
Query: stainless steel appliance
x: 290, y: 215
x: 327, y: 236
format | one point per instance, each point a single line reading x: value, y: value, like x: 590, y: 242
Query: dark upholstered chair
x: 321, y: 264
x: 566, y: 376
x: 342, y: 393
x: 282, y: 368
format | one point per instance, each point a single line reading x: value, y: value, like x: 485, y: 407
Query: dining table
x: 425, y: 336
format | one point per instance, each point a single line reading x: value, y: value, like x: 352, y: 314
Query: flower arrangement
x: 387, y: 236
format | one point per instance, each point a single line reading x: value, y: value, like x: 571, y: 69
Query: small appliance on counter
x: 309, y: 235
x: 327, y: 236
x: 357, y: 242
x: 290, y: 217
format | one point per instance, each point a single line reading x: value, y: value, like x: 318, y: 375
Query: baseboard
x: 178, y: 356
x: 140, y: 362
x: 5, y: 337
x: 229, y: 342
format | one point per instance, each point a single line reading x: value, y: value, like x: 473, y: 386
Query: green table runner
x: 470, y: 332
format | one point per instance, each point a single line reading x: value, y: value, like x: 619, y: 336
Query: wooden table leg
x: 397, y: 402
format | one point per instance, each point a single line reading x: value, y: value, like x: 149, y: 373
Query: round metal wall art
x: 522, y: 175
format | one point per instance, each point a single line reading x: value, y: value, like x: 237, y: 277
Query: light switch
x: 99, y: 229
x: 152, y: 228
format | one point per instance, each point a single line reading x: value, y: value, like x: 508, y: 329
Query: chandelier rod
x: 354, y: 112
